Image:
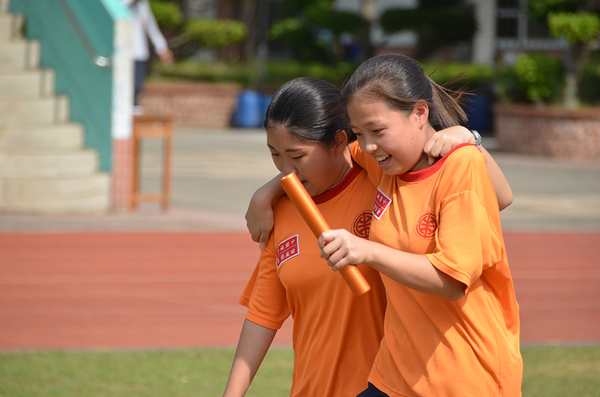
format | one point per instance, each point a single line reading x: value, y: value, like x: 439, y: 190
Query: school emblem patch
x: 362, y: 224
x: 382, y: 202
x: 427, y: 225
x: 287, y: 249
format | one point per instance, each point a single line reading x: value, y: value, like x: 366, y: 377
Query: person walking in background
x: 144, y: 28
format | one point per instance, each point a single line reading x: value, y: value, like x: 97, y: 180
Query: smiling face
x: 318, y: 168
x: 396, y: 140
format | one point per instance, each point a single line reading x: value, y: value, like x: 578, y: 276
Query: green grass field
x: 549, y: 371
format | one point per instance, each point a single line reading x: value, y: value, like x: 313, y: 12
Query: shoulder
x: 464, y: 157
x: 464, y: 169
x: 282, y: 207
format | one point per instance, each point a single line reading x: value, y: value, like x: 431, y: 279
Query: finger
x: 436, y: 149
x: 330, y: 248
x: 428, y: 145
x: 263, y: 240
x: 339, y: 265
x: 255, y: 235
x: 325, y: 238
x: 334, y: 259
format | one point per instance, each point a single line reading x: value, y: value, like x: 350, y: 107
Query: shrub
x: 278, y: 72
x: 535, y: 78
x: 589, y: 90
x: 215, y: 33
x: 167, y: 15
x: 580, y: 27
x: 474, y: 78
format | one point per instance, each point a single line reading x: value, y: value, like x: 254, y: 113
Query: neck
x: 344, y: 169
x: 423, y: 161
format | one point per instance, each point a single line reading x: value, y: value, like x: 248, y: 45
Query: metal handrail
x: 98, y: 60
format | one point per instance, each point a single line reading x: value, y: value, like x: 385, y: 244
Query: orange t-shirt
x: 335, y: 335
x: 432, y: 346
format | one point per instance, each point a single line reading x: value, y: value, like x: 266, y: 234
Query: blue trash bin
x: 248, y: 113
x: 479, y: 112
x: 265, y: 100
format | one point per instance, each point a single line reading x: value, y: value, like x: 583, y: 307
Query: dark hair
x: 310, y: 109
x: 400, y: 82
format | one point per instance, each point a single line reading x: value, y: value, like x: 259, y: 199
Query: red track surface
x: 163, y: 290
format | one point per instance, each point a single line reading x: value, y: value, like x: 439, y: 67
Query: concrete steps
x: 60, y: 195
x: 59, y: 136
x: 44, y: 167
x: 26, y: 83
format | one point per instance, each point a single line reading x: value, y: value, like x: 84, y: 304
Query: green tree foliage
x: 313, y: 29
x: 539, y: 76
x: 437, y: 23
x: 215, y: 33
x: 577, y: 22
x: 195, y: 33
x: 574, y: 27
x: 167, y: 15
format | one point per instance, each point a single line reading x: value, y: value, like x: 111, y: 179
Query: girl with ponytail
x: 452, y: 322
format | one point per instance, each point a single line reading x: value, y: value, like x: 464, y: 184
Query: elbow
x: 505, y: 202
x: 505, y: 199
x: 455, y: 291
x: 455, y: 296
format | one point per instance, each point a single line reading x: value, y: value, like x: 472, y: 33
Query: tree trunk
x: 367, y: 11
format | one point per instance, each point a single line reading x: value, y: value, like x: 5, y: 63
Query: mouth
x: 383, y: 159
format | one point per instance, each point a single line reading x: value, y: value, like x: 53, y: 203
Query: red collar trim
x: 427, y: 172
x: 328, y: 195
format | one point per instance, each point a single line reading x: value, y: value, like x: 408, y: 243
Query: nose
x: 369, y: 145
x: 288, y: 167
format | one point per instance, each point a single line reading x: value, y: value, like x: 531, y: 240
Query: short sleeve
x: 368, y: 163
x: 248, y: 291
x: 267, y: 301
x: 468, y: 239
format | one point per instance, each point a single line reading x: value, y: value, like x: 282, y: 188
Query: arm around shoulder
x: 259, y: 216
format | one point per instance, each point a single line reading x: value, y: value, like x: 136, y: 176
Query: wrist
x: 477, y: 137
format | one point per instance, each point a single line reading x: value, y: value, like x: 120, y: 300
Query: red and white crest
x: 382, y: 202
x: 287, y: 249
x: 427, y: 225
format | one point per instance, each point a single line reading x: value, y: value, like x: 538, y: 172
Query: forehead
x: 280, y: 138
x: 366, y: 111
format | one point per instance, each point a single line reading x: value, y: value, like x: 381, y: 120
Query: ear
x: 421, y: 113
x: 340, y: 142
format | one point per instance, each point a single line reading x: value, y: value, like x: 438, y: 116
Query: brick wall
x: 192, y: 104
x: 548, y: 131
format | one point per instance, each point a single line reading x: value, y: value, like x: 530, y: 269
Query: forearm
x: 269, y: 192
x: 252, y: 347
x: 413, y: 271
x: 259, y: 216
x: 503, y: 190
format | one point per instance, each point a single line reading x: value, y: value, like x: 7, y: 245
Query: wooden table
x: 157, y: 127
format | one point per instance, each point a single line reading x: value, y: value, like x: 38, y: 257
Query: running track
x: 168, y: 290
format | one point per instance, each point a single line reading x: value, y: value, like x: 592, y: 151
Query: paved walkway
x: 148, y: 279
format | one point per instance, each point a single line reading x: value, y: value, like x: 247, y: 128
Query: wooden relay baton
x: 317, y: 223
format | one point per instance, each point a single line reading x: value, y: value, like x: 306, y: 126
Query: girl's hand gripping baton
x: 317, y: 223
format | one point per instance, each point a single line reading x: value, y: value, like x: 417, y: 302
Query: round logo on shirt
x: 427, y: 225
x: 362, y: 224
